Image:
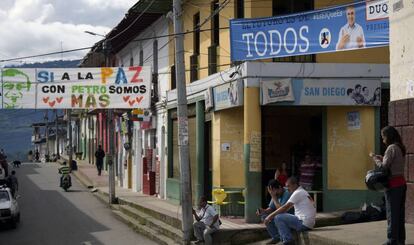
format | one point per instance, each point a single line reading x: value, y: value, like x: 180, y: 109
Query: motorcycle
x: 66, y: 182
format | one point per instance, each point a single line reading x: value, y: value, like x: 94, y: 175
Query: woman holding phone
x: 395, y: 194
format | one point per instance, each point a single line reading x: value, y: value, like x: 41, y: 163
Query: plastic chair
x: 219, y: 195
x: 244, y: 197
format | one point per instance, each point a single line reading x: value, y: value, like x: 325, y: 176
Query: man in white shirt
x: 305, y: 212
x: 207, y: 222
x: 351, y: 35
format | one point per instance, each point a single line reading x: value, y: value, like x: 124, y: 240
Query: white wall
x: 158, y: 28
x: 402, y: 52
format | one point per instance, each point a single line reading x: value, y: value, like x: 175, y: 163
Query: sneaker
x: 198, y: 242
x: 273, y: 241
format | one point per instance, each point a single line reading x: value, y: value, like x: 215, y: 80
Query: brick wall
x: 401, y: 116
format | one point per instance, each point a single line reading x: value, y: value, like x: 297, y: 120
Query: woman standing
x: 394, y: 160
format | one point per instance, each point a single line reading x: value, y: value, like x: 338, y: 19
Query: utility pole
x: 110, y: 122
x: 186, y: 195
x: 57, y: 135
x: 47, y: 135
x: 70, y: 138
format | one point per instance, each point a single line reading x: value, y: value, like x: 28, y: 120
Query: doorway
x: 292, y: 137
x: 208, y: 164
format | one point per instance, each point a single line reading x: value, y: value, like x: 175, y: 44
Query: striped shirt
x: 64, y: 170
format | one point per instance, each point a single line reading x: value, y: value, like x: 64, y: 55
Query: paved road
x: 51, y: 216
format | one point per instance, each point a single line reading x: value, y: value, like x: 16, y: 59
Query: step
x: 168, y: 219
x: 155, y: 224
x: 144, y: 230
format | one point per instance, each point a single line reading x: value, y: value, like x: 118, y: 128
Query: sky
x: 30, y: 27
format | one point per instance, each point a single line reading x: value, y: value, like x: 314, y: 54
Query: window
x: 131, y: 61
x: 284, y: 7
x: 215, y: 24
x: 196, y: 35
x: 141, y: 57
x: 155, y: 55
x: 173, y: 81
x: 238, y: 9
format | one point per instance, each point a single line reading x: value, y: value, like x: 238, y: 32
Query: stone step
x: 144, y: 230
x: 168, y: 219
x: 153, y: 223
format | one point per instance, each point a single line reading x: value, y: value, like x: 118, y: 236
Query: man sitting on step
x: 305, y: 213
x: 207, y: 222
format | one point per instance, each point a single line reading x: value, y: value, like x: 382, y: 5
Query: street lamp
x: 94, y: 34
x: 106, y: 48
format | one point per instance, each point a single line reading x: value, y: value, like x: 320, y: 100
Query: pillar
x: 199, y: 177
x: 252, y: 153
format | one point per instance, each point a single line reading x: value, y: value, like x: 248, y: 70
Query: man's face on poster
x: 350, y: 15
x: 365, y: 91
x: 14, y: 90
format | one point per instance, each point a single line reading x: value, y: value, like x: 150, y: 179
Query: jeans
x: 395, y: 206
x: 271, y: 228
x: 285, y: 222
x: 203, y: 232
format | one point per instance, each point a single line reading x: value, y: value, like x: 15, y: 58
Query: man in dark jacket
x: 99, y: 155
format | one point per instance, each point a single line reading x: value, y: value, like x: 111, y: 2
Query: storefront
x: 321, y: 129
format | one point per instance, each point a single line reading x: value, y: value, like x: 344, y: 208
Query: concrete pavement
x: 51, y: 216
x: 362, y: 233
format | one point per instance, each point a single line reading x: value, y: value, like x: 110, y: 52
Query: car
x: 9, y: 208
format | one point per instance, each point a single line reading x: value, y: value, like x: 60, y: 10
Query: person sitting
x: 279, y: 196
x: 207, y: 222
x: 302, y: 220
x: 64, y: 170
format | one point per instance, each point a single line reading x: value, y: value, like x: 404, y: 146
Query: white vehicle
x: 9, y: 208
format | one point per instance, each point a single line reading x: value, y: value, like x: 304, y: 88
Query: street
x: 51, y: 216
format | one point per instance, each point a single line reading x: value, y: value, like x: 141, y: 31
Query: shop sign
x: 228, y: 95
x: 335, y: 92
x: 278, y: 90
x: 353, y: 26
x: 76, y: 88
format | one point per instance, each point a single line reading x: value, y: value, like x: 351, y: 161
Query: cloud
x: 30, y: 27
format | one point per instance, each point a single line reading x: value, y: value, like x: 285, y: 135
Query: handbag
x: 377, y: 179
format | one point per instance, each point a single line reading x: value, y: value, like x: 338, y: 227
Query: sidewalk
x: 362, y: 233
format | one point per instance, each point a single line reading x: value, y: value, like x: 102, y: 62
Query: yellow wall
x: 228, y: 168
x: 348, y: 150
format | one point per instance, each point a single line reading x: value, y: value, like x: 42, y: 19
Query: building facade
x: 242, y: 139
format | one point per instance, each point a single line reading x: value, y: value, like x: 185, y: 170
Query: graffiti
x: 15, y: 84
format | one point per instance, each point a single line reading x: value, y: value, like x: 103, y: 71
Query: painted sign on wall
x: 278, y: 90
x: 228, y: 95
x: 346, y: 27
x: 360, y: 92
x: 77, y: 88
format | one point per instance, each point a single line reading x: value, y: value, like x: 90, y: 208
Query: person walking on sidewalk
x: 394, y: 160
x: 207, y: 222
x: 99, y: 154
x: 305, y: 213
